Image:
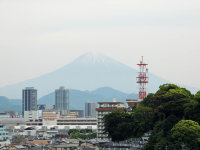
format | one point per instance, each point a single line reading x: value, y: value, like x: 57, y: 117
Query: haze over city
x: 38, y: 37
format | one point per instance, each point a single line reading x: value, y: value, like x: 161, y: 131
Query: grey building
x: 29, y: 99
x: 62, y: 101
x: 80, y: 113
x: 90, y: 110
x: 45, y: 107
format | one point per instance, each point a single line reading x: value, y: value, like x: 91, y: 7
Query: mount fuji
x: 88, y: 72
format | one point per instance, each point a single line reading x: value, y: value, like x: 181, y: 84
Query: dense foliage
x: 161, y: 113
x: 186, y: 132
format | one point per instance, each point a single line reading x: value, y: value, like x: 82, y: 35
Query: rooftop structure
x: 132, y: 102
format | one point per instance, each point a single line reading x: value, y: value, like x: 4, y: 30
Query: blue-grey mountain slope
x: 10, y: 104
x: 78, y: 98
x: 88, y: 72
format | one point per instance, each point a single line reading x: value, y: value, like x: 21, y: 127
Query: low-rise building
x: 34, y: 123
x: 29, y: 131
x: 32, y: 115
x: 65, y: 123
x: 50, y: 117
x: 3, y: 133
x: 4, y: 115
x: 38, y: 142
x: 20, y: 147
x: 78, y: 123
x: 71, y: 115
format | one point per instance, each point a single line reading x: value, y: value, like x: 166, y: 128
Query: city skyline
x: 40, y: 37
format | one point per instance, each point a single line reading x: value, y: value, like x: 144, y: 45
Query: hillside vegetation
x: 171, y: 115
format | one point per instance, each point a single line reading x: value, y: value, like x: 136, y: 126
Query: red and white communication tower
x: 142, y: 79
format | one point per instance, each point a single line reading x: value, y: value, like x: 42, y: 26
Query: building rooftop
x: 20, y: 147
x: 132, y: 100
x: 110, y: 102
x: 29, y: 88
x: 108, y: 109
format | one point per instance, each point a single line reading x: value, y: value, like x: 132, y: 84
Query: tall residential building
x: 62, y: 101
x: 90, y: 110
x: 103, y: 109
x: 29, y: 99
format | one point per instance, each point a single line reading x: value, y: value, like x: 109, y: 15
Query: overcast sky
x: 39, y: 36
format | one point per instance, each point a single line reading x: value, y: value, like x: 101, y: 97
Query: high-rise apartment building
x: 29, y: 99
x: 62, y: 101
x: 90, y: 110
x: 103, y: 109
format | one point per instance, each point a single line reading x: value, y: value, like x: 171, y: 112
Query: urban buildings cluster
x: 32, y: 111
x: 58, y: 114
x: 49, y: 121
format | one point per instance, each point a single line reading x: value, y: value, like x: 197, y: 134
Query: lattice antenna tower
x: 142, y: 79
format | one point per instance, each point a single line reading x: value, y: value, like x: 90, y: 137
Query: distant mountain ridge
x: 78, y: 98
x: 88, y: 72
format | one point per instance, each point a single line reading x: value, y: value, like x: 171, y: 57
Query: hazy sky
x: 39, y: 36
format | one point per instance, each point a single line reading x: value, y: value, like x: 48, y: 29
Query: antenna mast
x: 142, y: 79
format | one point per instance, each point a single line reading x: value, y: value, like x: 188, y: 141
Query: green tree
x: 143, y: 120
x: 82, y: 134
x: 197, y: 96
x: 186, y: 132
x: 160, y: 136
x: 117, y: 124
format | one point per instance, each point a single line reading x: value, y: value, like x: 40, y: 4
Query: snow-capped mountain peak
x: 94, y: 58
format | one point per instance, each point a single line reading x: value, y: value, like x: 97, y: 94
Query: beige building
x: 103, y: 109
x: 50, y: 117
x: 71, y: 115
